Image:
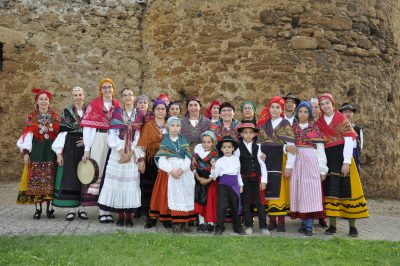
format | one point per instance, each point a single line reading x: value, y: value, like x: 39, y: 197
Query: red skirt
x: 210, y: 210
x: 159, y: 198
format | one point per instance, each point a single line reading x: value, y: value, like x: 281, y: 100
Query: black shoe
x: 302, y: 229
x: 167, y: 224
x: 128, y: 223
x: 82, y: 215
x: 239, y: 231
x: 103, y: 219
x: 323, y: 223
x: 120, y: 222
x: 210, y: 227
x: 202, y: 228
x: 70, y: 216
x: 272, y: 226
x: 281, y: 228
x: 137, y: 214
x: 218, y: 231
x: 150, y: 223
x: 309, y: 232
x: 353, y: 232
x: 110, y: 218
x: 37, y: 214
x: 331, y: 230
x: 50, y: 214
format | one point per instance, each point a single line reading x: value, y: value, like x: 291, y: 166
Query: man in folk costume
x: 290, y: 106
x: 344, y: 196
x: 348, y: 110
x: 95, y: 123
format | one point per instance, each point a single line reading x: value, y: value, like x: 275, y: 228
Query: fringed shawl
x: 279, y: 135
x: 173, y: 149
x: 307, y: 137
x: 96, y: 116
x: 70, y: 120
x: 150, y: 139
x: 220, y: 131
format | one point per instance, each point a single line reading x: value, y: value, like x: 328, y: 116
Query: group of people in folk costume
x: 298, y: 159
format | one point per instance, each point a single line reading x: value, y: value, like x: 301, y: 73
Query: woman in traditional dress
x: 227, y: 124
x: 344, y: 196
x: 69, y: 149
x: 212, y: 112
x: 152, y: 133
x: 174, y: 162
x: 276, y: 132
x: 174, y: 109
x: 95, y: 123
x: 37, y: 181
x: 194, y: 123
x: 142, y: 103
x: 308, y: 170
x: 248, y: 109
x: 121, y: 189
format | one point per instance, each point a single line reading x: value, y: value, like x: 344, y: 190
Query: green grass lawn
x: 166, y: 249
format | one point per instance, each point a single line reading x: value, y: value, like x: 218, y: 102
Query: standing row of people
x: 211, y: 168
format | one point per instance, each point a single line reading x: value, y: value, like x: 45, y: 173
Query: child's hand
x: 292, y: 149
x: 179, y: 171
x: 241, y: 189
x: 263, y: 186
x: 323, y: 177
x: 288, y: 172
x: 213, y: 163
x: 263, y: 156
x: 174, y: 174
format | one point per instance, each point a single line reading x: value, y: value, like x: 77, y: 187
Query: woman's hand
x: 60, y: 159
x: 323, y: 177
x: 345, y: 169
x: 174, y: 174
x: 263, y: 186
x: 26, y: 159
x: 288, y: 172
x: 124, y: 157
x: 79, y: 143
x: 292, y: 149
x: 141, y: 166
x: 86, y: 156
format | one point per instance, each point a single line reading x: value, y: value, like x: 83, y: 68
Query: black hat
x: 247, y: 124
x: 227, y: 139
x: 226, y: 105
x: 347, y: 106
x: 291, y: 96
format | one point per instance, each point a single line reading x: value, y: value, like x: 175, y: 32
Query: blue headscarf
x: 307, y: 105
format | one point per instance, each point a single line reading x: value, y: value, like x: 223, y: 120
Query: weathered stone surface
x: 215, y: 49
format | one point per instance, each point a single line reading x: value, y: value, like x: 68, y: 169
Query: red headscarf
x: 164, y: 97
x: 207, y: 113
x: 39, y: 91
x: 265, y: 114
x: 326, y: 96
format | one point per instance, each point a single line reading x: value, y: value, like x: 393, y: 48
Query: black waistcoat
x: 249, y: 162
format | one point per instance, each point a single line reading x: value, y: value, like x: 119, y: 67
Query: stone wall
x: 227, y: 49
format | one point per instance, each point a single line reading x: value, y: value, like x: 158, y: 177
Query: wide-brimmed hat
x: 291, y: 96
x: 227, y: 139
x: 247, y: 124
x: 347, y: 106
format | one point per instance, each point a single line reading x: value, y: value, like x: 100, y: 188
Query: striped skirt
x: 305, y: 186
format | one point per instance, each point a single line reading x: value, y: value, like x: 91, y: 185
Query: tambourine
x: 88, y: 172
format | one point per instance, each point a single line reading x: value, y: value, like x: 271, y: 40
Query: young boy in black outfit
x: 254, y: 175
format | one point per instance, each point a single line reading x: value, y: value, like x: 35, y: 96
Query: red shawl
x: 96, y: 116
x: 335, y: 132
x: 32, y: 125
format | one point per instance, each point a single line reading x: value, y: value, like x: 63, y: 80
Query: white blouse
x: 264, y: 172
x: 227, y: 166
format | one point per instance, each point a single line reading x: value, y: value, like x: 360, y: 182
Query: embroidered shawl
x: 173, y: 149
x: 204, y: 163
x: 279, y: 135
x: 70, y: 120
x: 51, y: 126
x: 307, y: 137
x: 335, y: 132
x: 193, y: 134
x: 150, y: 139
x: 220, y: 131
x: 96, y: 116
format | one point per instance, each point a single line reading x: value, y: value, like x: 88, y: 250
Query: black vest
x: 249, y: 162
x: 357, y: 129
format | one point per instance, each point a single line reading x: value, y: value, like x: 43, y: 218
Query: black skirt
x: 273, y: 161
x: 201, y: 191
x: 336, y: 185
x: 70, y: 186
